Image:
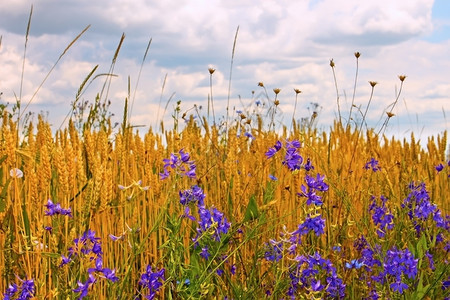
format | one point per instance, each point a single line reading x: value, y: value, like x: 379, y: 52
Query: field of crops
x: 238, y: 212
x: 245, y: 208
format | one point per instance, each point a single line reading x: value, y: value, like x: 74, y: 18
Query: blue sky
x: 285, y: 44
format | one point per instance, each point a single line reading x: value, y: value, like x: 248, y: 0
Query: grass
x: 199, y: 211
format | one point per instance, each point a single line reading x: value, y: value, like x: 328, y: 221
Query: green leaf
x: 26, y: 222
x: 421, y: 246
x: 251, y: 213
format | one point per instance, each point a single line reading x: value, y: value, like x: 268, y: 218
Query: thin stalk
x: 358, y: 132
x: 229, y: 81
x: 337, y: 90
x: 139, y: 77
x: 52, y: 68
x: 23, y: 61
x: 297, y: 91
x: 389, y: 113
x: 357, y: 54
x: 160, y: 99
x: 211, y: 71
x: 111, y: 69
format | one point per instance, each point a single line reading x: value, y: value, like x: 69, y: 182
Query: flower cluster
x: 181, y: 164
x: 292, y: 158
x: 314, y: 274
x: 312, y: 186
x: 397, y: 263
x: 291, y: 240
x: 88, y: 245
x: 193, y: 195
x: 420, y: 209
x: 273, y: 250
x: 393, y: 266
x: 212, y: 221
x: 25, y: 291
x: 153, y: 281
x: 316, y: 224
x: 372, y: 164
x: 381, y: 216
x: 56, y: 209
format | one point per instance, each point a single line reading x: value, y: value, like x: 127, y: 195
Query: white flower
x: 16, y: 173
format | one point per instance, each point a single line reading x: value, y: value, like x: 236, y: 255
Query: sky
x: 284, y: 44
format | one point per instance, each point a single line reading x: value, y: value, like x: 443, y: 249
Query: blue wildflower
x: 26, y: 290
x: 153, y: 281
x: 273, y: 250
x: 381, y: 216
x: 56, y: 209
x: 308, y: 166
x: 372, y: 164
x: 107, y: 273
x: 308, y: 273
x: 439, y: 167
x: 273, y: 150
x: 273, y: 177
x: 354, y: 264
x: 193, y: 195
x: 181, y: 164
x: 205, y: 253
x: 212, y: 219
x: 292, y: 158
x: 83, y: 288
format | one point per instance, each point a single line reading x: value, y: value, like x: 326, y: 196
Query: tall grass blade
x: 51, y: 70
x: 138, y: 78
x: 229, y: 79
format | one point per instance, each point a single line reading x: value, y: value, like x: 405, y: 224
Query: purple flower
x: 316, y: 183
x: 308, y: 166
x: 153, y: 281
x: 10, y: 291
x: 439, y: 167
x: 272, y: 151
x: 108, y: 273
x: 354, y: 264
x: 26, y: 290
x: 311, y: 196
x: 446, y: 283
x: 55, y: 209
x: 381, y: 216
x: 309, y: 272
x: 249, y: 135
x: 204, y: 253
x: 430, y: 260
x: 420, y: 208
x: 193, y: 195
x: 64, y: 260
x: 273, y: 177
x: 399, y: 286
x: 316, y: 224
x: 372, y: 164
x: 83, y: 288
x: 274, y: 250
x: 181, y: 164
x: 48, y: 228
x: 86, y: 244
x: 212, y: 219
x: 233, y: 269
x: 292, y: 158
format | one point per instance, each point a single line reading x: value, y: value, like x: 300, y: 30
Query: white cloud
x: 285, y: 44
